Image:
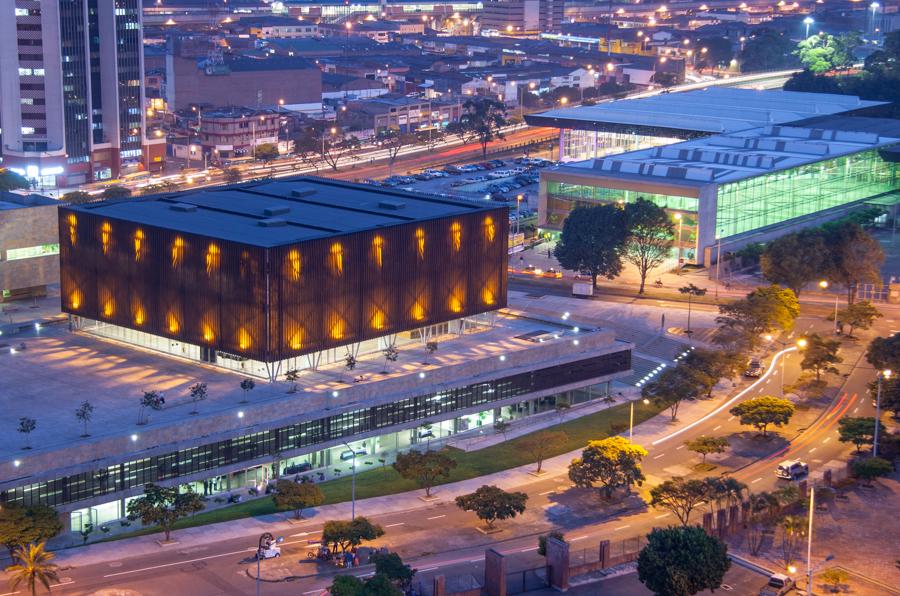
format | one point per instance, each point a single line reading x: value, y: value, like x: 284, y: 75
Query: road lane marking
x: 547, y: 492
x: 621, y: 528
x: 661, y: 516
x: 579, y: 538
x: 718, y: 427
x: 658, y: 456
x: 395, y: 525
x: 730, y: 419
x: 826, y: 440
x: 813, y: 449
x: 755, y: 481
x: 300, y: 534
x: 237, y: 552
x: 525, y: 550
x: 428, y: 569
x: 856, y: 409
x: 756, y: 384
x: 436, y: 517
x: 679, y: 447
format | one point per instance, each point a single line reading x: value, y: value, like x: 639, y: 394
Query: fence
x: 527, y: 580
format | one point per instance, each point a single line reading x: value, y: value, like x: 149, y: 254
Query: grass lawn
x: 470, y: 464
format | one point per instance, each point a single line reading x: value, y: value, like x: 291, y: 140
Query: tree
x: 483, y: 119
x: 713, y: 365
x: 308, y: 146
x: 794, y: 260
x: 297, y: 496
x: 231, y: 175
x: 198, y: 393
x: 855, y: 257
x: 542, y: 541
x: 682, y: 561
x: 649, y: 237
x: 337, y: 149
x: 84, y: 413
x: 704, y: 445
x: 32, y: 566
x: 593, y: 238
x: 247, y: 385
x: 859, y: 431
x: 20, y: 525
x: 821, y: 53
x: 426, y: 469
x: 673, y: 386
x: 392, y: 140
x: 350, y: 362
x: 884, y: 352
x: 391, y: 354
x: 266, y: 152
x: 834, y: 577
x: 115, y: 192
x: 765, y: 309
x: 26, y: 427
x: 890, y: 395
x: 163, y: 506
x: 347, y: 534
x: 391, y: 566
x: 820, y: 355
x: 859, y: 315
x: 870, y: 468
x: 691, y: 291
x: 430, y: 348
x: 612, y: 463
x: 718, y: 51
x: 760, y: 412
x: 292, y: 376
x: 77, y: 197
x: 762, y: 511
x: 9, y: 180
x: 491, y: 504
x: 793, y: 531
x: 346, y: 585
x: 767, y: 49
x: 152, y: 400
x: 542, y: 444
x: 724, y: 491
x: 680, y: 496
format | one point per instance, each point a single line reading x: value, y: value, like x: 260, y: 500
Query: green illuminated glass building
x: 746, y: 186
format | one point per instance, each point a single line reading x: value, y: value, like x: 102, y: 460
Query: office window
x: 30, y: 252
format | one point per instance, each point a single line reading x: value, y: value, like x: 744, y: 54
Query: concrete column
x: 604, y: 554
x: 558, y: 564
x: 440, y: 586
x: 708, y: 523
x: 494, y: 573
x: 721, y: 525
x: 826, y: 477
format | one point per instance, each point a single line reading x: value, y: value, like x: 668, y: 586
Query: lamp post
x: 808, y: 21
x: 824, y: 285
x: 678, y: 218
x: 885, y: 374
x: 809, y: 539
x: 352, y: 484
x: 631, y: 420
x: 874, y: 6
x: 519, y: 198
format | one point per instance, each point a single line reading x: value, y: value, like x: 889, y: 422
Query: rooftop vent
x: 299, y: 193
x: 183, y: 207
x: 272, y: 222
x: 392, y: 205
x: 276, y: 210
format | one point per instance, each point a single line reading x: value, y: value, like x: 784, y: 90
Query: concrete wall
x: 21, y: 228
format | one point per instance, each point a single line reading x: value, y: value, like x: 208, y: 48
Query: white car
x: 792, y: 469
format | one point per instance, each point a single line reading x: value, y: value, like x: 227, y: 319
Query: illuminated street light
x: 808, y: 21
x: 802, y: 343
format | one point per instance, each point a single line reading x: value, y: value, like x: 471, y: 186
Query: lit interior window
x: 177, y: 251
x: 490, y: 229
x: 105, y: 234
x: 244, y: 341
x: 294, y: 264
x: 456, y: 235
x: 213, y: 257
x: 337, y: 258
x: 172, y: 323
x: 139, y: 245
x: 73, y: 229
x: 420, y: 242
x: 377, y: 250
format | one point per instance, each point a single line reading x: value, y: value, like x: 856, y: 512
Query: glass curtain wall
x: 767, y: 200
x: 562, y: 197
x: 588, y: 144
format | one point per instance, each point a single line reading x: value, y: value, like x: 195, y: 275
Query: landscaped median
x: 470, y: 464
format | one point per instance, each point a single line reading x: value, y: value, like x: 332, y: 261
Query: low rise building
x: 236, y: 131
x: 29, y: 245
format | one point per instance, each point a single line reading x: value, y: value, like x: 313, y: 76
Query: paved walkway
x: 249, y: 528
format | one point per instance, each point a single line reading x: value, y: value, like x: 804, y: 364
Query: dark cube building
x: 279, y: 269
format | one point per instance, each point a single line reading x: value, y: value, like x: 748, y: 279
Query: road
x: 431, y: 540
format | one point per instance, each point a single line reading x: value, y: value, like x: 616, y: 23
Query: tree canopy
x: 822, y: 53
x: 542, y: 444
x: 680, y: 496
x: 27, y: 525
x: 649, y: 238
x: 870, y: 468
x: 593, y: 238
x: 347, y: 534
x: 855, y: 257
x: 682, y: 561
x: 483, y: 119
x: 742, y: 322
x: 767, y: 49
x: 164, y: 505
x: 884, y: 352
x: 491, y: 503
x: 426, y: 468
x: 820, y: 355
x: 859, y: 431
x: 297, y: 496
x: 675, y: 385
x: 612, y: 463
x: 704, y: 445
x: 859, y: 315
x: 760, y: 412
x: 10, y: 180
x: 794, y: 260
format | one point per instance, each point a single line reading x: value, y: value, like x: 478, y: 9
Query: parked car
x: 792, y: 469
x: 452, y: 170
x: 778, y: 585
x: 754, y: 369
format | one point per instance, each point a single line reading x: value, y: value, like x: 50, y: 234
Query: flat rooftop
x: 714, y: 110
x: 746, y: 154
x: 112, y: 376
x: 12, y: 200
x: 283, y: 211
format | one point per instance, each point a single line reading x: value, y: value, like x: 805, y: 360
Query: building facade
x: 72, y: 99
x: 236, y: 132
x: 522, y: 16
x: 29, y: 245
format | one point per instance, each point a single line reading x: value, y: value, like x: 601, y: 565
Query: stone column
x: 494, y: 573
x: 604, y: 554
x: 558, y: 564
x: 440, y: 585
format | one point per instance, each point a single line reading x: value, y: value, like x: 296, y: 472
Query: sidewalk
x: 250, y: 528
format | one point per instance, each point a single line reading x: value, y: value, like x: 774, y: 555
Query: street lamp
x: 678, y: 218
x: 808, y: 21
x: 885, y: 374
x: 352, y: 484
x: 824, y: 285
x: 519, y: 198
x: 563, y: 100
x: 631, y: 419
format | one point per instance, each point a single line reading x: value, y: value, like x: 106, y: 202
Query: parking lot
x: 499, y: 180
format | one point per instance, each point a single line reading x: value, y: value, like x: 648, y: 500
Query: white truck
x: 582, y: 289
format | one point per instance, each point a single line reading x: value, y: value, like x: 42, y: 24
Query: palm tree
x: 32, y: 566
x: 733, y: 491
